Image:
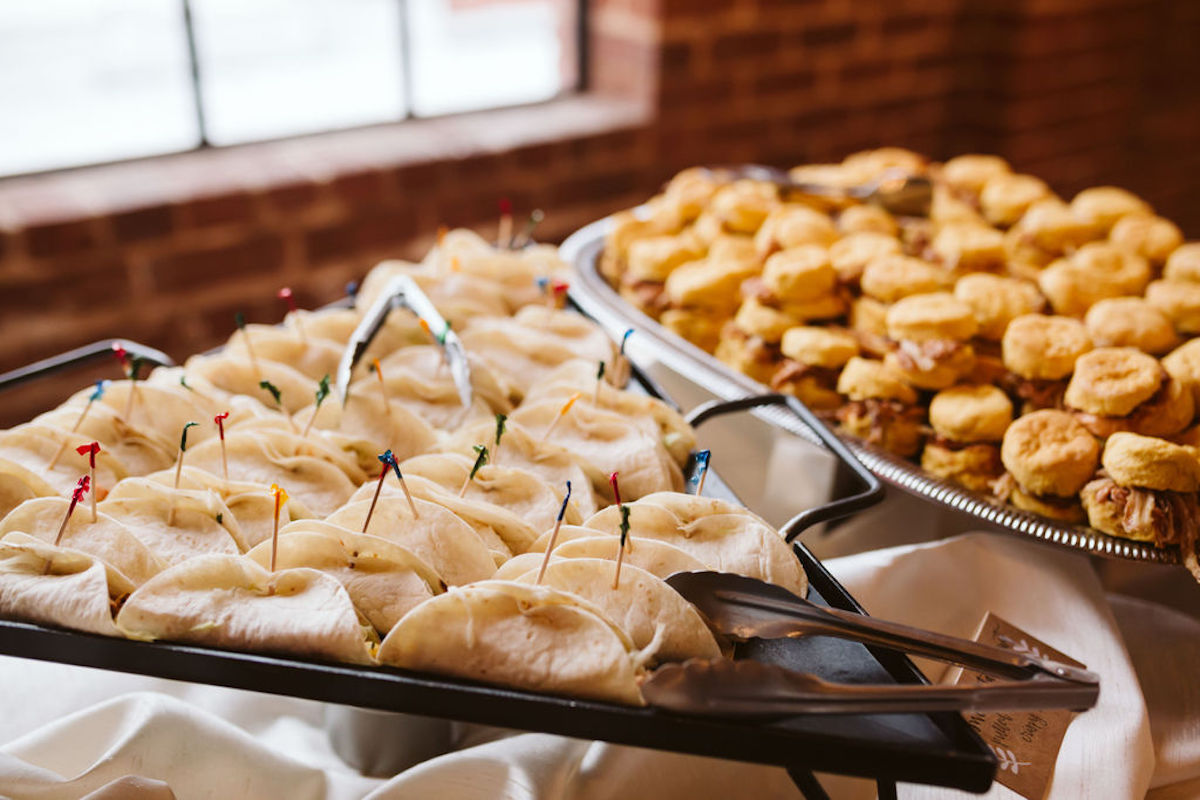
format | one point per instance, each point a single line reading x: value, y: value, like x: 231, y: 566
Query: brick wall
x: 1079, y: 92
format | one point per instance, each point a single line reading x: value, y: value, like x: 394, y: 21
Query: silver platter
x: 601, y: 301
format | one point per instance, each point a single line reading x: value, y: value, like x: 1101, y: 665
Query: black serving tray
x: 937, y: 748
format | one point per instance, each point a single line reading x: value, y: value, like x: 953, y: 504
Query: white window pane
x: 470, y: 54
x: 84, y: 81
x: 281, y: 67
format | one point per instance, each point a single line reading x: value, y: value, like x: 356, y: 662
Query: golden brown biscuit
x: 1060, y: 508
x: 1044, y: 348
x: 1094, y: 272
x: 1049, y: 226
x: 969, y: 247
x: 655, y: 257
x: 851, y: 254
x: 970, y: 413
x: 812, y: 390
x: 1049, y: 453
x: 743, y: 206
x: 1006, y: 197
x: 702, y: 329
x: 819, y: 347
x: 971, y: 171
x: 1180, y: 301
x: 1130, y: 322
x: 707, y: 228
x: 868, y: 316
x: 933, y: 364
x: 1102, y: 206
x: 870, y: 164
x: 890, y: 278
x: 1153, y: 238
x: 867, y: 219
x: 882, y: 423
x: 824, y: 307
x: 936, y: 315
x: 799, y: 273
x: 867, y: 379
x: 996, y: 301
x: 768, y: 324
x: 1150, y: 462
x: 1113, y: 381
x: 734, y: 252
x: 690, y: 191
x: 1183, y: 264
x: 1167, y: 413
x: 794, y: 225
x: 699, y: 284
x: 948, y: 207
x: 975, y: 466
x: 1183, y: 364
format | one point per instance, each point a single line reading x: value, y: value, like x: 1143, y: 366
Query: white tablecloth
x: 68, y: 731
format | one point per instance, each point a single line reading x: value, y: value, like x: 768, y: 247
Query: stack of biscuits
x: 1010, y: 340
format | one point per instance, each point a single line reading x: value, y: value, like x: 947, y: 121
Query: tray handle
x: 872, y: 489
x: 78, y: 356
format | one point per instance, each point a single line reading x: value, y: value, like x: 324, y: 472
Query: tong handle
x: 871, y: 493
x: 81, y: 355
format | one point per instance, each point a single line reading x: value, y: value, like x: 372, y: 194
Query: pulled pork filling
x: 879, y: 413
x: 755, y: 347
x: 925, y: 356
x: 1169, y: 517
x: 794, y: 371
x: 1035, y: 392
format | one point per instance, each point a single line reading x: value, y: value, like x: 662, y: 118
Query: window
x: 83, y: 82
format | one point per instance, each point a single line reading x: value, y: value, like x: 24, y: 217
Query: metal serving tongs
x: 896, y: 191
x: 743, y: 608
x: 403, y: 292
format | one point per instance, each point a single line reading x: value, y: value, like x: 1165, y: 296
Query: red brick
x: 828, y: 35
x: 145, y: 223
x: 202, y: 267
x: 747, y: 44
x: 219, y: 210
x: 77, y: 284
x: 62, y: 238
x: 361, y: 189
x: 358, y: 236
x: 291, y: 197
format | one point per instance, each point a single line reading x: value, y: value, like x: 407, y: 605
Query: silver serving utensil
x: 896, y: 191
x: 403, y: 292
x: 744, y: 608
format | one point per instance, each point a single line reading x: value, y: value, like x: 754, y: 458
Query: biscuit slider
x: 881, y: 408
x: 931, y: 334
x: 1039, y: 353
x: 1146, y: 492
x: 813, y: 359
x: 1123, y: 389
x: 968, y: 424
x: 1049, y: 457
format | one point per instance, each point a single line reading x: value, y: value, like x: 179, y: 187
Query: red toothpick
x: 504, y: 236
x: 131, y: 365
x: 90, y: 451
x: 612, y: 479
x: 562, y: 412
x: 558, y: 294
x: 220, y: 420
x: 281, y: 497
x: 285, y: 294
x: 562, y: 512
x: 81, y: 489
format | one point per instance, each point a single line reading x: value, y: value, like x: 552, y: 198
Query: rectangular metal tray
x: 600, y: 301
x: 938, y: 749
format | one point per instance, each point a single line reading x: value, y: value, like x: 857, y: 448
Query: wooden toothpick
x: 562, y: 512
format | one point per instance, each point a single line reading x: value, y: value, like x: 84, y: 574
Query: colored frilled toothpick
x: 101, y: 386
x: 599, y: 380
x: 440, y: 341
x: 621, y: 546
x: 281, y: 497
x: 562, y: 412
x: 388, y: 459
x: 285, y: 294
x: 481, y: 458
x: 501, y: 422
x: 80, y: 491
x: 700, y: 470
x: 321, y: 394
x: 240, y: 319
x: 612, y: 479
x: 558, y: 293
x: 526, y: 236
x: 378, y: 370
x: 90, y: 451
x: 277, y: 396
x: 504, y: 234
x: 562, y: 512
x: 179, y: 467
x: 132, y: 365
x: 219, y: 419
x: 352, y: 290
x: 619, y: 375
